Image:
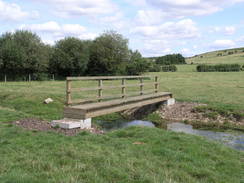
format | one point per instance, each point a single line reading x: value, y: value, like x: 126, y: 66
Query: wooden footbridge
x: 101, y: 104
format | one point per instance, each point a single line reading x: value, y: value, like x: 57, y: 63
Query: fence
x: 101, y: 88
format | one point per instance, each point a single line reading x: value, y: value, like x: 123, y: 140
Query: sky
x: 154, y: 27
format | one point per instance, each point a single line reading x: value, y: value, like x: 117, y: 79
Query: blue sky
x: 154, y: 27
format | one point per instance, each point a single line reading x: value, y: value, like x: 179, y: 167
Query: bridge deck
x: 85, y: 111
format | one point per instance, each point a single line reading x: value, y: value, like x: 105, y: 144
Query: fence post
x: 141, y: 86
x: 100, y: 90
x: 53, y: 78
x: 156, y: 84
x: 29, y: 77
x: 68, y: 92
x: 5, y: 78
x: 123, y: 88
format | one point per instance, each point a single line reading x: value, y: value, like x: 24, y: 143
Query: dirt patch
x: 182, y: 111
x: 40, y: 125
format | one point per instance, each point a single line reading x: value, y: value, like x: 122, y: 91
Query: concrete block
x: 85, y: 124
x: 72, y: 123
x: 170, y: 101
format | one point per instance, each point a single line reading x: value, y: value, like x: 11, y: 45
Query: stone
x: 48, y: 100
x: 72, y: 123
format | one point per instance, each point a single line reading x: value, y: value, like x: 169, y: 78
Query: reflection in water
x: 118, y: 124
x: 232, y: 140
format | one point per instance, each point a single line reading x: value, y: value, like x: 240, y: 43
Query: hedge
x: 169, y: 68
x: 219, y: 68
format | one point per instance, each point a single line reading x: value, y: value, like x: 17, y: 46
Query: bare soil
x: 40, y: 125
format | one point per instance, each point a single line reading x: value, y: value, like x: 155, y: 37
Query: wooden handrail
x: 106, y: 78
x: 100, y: 87
x: 111, y: 87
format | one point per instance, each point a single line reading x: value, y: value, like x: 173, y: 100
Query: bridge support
x: 67, y: 123
x: 170, y: 101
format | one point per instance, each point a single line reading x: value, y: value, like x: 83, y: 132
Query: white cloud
x: 183, y: 8
x: 57, y: 31
x: 230, y: 30
x: 183, y: 29
x: 70, y: 8
x: 116, y: 21
x: 13, y: 12
x: 148, y: 17
x: 155, y: 47
x: 227, y: 30
x: 218, y: 44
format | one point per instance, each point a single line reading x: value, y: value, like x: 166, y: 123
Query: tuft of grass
x: 157, y: 120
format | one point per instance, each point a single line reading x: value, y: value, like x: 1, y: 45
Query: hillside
x: 235, y: 55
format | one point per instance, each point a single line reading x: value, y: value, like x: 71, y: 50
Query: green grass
x: 164, y: 157
x: 30, y: 156
x: 213, y: 58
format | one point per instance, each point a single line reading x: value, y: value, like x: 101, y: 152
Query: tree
x: 137, y: 65
x: 70, y: 57
x: 109, y: 54
x: 22, y: 52
x: 171, y: 59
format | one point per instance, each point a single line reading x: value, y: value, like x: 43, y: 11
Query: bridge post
x: 156, y: 84
x: 68, y: 92
x: 100, y: 90
x: 141, y: 86
x: 123, y: 88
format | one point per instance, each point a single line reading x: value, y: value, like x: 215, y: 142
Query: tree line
x: 23, y: 53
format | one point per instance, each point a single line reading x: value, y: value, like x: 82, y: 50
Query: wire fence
x: 29, y: 77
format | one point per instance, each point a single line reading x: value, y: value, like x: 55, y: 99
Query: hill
x: 235, y: 55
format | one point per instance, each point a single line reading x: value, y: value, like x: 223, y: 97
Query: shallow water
x: 235, y: 141
x: 232, y: 140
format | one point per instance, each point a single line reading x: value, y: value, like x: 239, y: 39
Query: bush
x: 219, y: 68
x: 154, y: 68
x: 169, y: 68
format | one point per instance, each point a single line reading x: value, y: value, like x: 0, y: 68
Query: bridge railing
x: 100, y: 87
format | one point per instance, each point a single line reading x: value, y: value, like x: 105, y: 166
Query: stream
x: 235, y: 141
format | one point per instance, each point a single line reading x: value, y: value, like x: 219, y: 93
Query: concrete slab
x: 72, y: 123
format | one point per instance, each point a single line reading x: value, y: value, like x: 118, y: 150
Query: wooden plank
x: 123, y: 107
x: 120, y: 101
x: 106, y: 77
x: 82, y: 114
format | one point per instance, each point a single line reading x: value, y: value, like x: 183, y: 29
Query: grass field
x: 219, y: 57
x: 31, y: 156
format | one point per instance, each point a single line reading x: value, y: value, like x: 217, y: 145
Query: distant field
x: 219, y: 57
